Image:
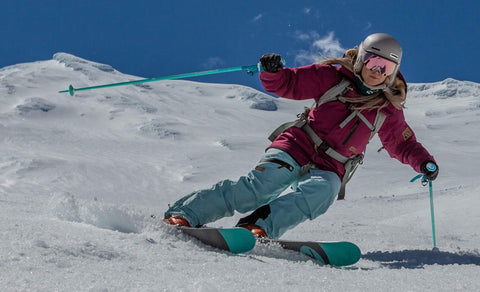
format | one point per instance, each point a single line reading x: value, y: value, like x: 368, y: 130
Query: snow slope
x: 80, y: 177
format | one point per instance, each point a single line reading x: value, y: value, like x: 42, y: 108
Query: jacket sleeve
x: 400, y: 141
x: 305, y: 82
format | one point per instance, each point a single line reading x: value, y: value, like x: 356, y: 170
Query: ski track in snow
x: 81, y: 176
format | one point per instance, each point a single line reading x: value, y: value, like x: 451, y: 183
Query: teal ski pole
x: 251, y: 70
x: 432, y: 214
x: 431, y: 167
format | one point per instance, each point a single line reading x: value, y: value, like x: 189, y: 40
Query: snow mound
x: 448, y: 88
x: 82, y: 65
x: 35, y: 104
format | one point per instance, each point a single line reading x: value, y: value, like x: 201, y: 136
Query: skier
x: 315, y: 164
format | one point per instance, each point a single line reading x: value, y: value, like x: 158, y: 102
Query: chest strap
x: 323, y: 146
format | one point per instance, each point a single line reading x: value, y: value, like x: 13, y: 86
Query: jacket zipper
x: 352, y: 131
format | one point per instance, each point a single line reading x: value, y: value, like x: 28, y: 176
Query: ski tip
x: 239, y: 240
x: 342, y: 253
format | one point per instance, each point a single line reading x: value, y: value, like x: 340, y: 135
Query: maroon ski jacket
x: 311, y: 82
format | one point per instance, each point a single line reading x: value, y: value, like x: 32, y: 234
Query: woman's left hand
x: 429, y: 170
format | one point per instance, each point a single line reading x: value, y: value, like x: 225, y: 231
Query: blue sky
x: 440, y: 39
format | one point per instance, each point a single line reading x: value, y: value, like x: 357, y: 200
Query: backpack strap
x: 334, y: 92
x: 360, y: 116
x: 283, y: 127
x: 350, y: 168
x: 323, y: 146
x: 379, y: 119
x: 330, y: 95
x: 352, y: 163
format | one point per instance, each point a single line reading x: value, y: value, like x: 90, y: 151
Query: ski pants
x: 311, y: 195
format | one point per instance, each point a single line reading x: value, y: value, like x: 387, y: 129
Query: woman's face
x: 372, y: 77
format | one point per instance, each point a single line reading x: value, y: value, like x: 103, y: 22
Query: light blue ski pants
x: 312, y: 195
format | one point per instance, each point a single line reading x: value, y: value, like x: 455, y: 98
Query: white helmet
x: 381, y: 45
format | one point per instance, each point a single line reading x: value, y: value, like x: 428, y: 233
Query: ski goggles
x: 376, y: 63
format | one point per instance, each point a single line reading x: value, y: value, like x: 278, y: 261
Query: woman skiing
x: 318, y: 153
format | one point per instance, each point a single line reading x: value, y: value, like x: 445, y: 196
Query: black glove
x: 271, y: 62
x: 429, y: 170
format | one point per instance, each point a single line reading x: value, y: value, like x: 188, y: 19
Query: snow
x: 81, y: 176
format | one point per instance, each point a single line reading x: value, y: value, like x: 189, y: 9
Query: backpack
x: 350, y: 163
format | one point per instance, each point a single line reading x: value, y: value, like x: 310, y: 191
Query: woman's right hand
x: 271, y: 63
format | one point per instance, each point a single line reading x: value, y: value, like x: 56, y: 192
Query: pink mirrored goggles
x: 377, y: 63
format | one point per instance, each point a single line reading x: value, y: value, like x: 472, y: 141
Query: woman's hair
x: 395, y: 94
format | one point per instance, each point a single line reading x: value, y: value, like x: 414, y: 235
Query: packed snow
x: 81, y: 176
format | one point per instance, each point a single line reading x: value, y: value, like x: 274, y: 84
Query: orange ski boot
x: 178, y: 221
x: 254, y: 229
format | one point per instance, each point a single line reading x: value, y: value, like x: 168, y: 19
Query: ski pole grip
x: 431, y: 166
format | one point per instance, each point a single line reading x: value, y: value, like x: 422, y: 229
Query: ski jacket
x: 311, y: 82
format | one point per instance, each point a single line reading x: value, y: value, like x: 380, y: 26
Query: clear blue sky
x: 154, y: 38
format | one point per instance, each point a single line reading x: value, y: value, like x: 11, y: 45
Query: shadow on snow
x: 417, y: 259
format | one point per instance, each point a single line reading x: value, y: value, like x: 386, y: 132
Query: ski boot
x: 177, y: 221
x: 254, y: 229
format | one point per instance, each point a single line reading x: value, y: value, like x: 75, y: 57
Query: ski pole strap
x: 416, y: 178
x: 424, y: 179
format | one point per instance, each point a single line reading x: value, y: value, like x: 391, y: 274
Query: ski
x: 235, y: 240
x: 336, y: 253
x: 240, y: 240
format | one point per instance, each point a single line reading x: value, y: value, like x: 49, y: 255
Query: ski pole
x: 251, y: 70
x: 431, y: 167
x: 432, y: 214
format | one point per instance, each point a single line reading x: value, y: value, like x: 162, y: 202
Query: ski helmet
x: 384, y: 46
